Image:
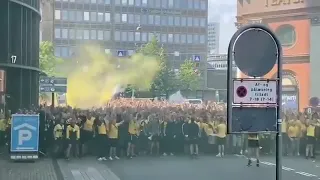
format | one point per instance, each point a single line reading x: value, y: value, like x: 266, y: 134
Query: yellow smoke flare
x: 93, y: 78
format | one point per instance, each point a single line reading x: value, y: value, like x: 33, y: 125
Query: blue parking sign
x: 24, y: 133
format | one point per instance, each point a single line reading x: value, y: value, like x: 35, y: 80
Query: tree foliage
x: 48, y: 62
x: 164, y: 83
x: 188, y: 76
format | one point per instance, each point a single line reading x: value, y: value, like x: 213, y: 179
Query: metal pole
x: 279, y: 114
x: 52, y: 100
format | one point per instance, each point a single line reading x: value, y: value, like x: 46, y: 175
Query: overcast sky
x: 223, y: 11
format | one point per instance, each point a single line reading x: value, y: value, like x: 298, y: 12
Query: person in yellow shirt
x: 254, y: 148
x: 133, y: 131
x: 102, y: 139
x: 221, y: 136
x: 285, y: 138
x: 292, y: 134
x: 72, y: 137
x: 311, y: 140
x: 86, y: 131
x: 58, y: 138
x: 3, y: 127
x: 114, y: 135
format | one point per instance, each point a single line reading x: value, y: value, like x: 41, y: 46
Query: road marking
x: 112, y: 174
x: 306, y: 174
x: 77, y: 174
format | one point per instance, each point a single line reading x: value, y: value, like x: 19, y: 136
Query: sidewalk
x: 85, y: 169
x: 42, y: 169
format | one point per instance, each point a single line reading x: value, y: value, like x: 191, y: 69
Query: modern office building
x: 213, y: 37
x: 180, y: 25
x: 19, y: 57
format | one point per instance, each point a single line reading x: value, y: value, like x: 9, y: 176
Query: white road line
x: 306, y: 174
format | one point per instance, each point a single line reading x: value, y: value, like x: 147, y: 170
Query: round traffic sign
x: 255, y: 52
x: 314, y: 101
x: 242, y: 91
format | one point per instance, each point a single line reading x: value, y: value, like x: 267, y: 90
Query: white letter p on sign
x: 24, y: 135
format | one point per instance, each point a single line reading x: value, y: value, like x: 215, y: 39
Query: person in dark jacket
x: 193, y: 135
x: 169, y: 137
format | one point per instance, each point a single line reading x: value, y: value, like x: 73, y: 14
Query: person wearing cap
x: 72, y: 137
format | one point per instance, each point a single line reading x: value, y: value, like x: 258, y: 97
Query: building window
x: 158, y: 4
x: 170, y: 38
x: 57, y: 51
x: 79, y: 34
x: 117, y: 36
x: 57, y: 33
x: 138, y: 3
x: 150, y: 19
x: 151, y: 3
x: 107, y: 35
x: 124, y: 2
x: 189, y: 21
x: 137, y: 18
x: 93, y: 16
x: 106, y: 1
x: 100, y: 17
x: 170, y: 3
x: 72, y: 15
x: 177, y: 38
x: 189, y: 38
x: 183, y: 21
x: 93, y: 1
x: 150, y: 36
x: 196, y: 22
x: 124, y: 18
x: 164, y: 38
x: 197, y: 4
x: 64, y: 52
x: 203, y: 5
x: 157, y: 20
x: 117, y: 18
x: 72, y: 34
x: 137, y: 36
x: 131, y: 2
x: 170, y: 21
x: 202, y: 39
x: 203, y: 22
x: 183, y: 38
x: 117, y: 2
x: 100, y: 35
x: 144, y: 19
x: 177, y: 21
x: 107, y: 17
x: 177, y: 4
x: 130, y: 36
x: 144, y: 37
x: 79, y: 16
x: 86, y: 16
x: 124, y: 36
x: 190, y: 4
x: 130, y: 18
x: 64, y: 15
x: 93, y: 34
x: 287, y: 35
x: 164, y: 20
x: 196, y: 38
x: 164, y: 4
x: 144, y: 2
x: 86, y: 34
x: 57, y: 14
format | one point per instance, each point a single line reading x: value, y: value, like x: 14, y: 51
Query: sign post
x: 53, y: 85
x: 254, y: 103
x: 24, y: 137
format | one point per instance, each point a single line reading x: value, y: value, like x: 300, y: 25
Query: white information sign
x: 255, y: 92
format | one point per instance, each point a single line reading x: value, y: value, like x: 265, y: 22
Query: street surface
x: 159, y: 168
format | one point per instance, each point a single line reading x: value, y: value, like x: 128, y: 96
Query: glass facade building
x: 180, y: 25
x: 19, y: 57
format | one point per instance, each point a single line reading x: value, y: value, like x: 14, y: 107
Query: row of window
x: 128, y: 36
x: 130, y: 18
x: 177, y: 4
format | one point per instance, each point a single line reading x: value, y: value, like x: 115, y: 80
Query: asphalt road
x: 159, y: 168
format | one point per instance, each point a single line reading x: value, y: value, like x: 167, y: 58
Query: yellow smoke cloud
x: 94, y: 76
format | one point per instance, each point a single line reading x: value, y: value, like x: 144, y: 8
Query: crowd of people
x: 130, y: 128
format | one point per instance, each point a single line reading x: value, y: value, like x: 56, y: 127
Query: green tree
x: 164, y: 83
x: 48, y: 62
x: 188, y: 76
